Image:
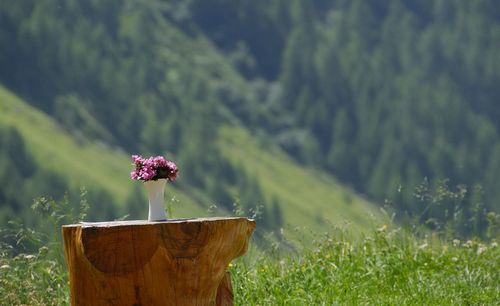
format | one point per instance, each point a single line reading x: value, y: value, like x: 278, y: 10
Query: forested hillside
x: 399, y: 99
x: 386, y: 95
x: 395, y: 91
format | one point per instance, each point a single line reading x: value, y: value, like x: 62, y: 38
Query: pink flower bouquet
x: 153, y: 168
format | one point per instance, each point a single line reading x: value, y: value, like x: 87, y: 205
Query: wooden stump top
x: 168, y: 221
x: 173, y: 262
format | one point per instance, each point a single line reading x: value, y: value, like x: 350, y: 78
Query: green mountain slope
x: 83, y: 163
x: 308, y: 197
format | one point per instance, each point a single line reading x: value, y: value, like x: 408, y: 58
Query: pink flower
x: 134, y: 175
x: 153, y: 168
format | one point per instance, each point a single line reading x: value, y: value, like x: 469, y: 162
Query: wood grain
x: 174, y: 262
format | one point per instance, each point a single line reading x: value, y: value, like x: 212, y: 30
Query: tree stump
x: 174, y: 262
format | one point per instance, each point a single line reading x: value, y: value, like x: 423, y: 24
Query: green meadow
x: 313, y: 199
x: 386, y: 266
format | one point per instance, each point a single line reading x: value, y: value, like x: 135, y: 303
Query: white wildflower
x: 423, y: 246
x: 469, y: 244
x: 481, y: 248
x: 383, y: 228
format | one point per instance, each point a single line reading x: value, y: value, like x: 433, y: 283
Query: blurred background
x: 299, y: 113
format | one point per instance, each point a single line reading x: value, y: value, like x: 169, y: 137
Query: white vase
x: 155, y: 191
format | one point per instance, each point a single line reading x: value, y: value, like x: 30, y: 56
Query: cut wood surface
x: 174, y: 262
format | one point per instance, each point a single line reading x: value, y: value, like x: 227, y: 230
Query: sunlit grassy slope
x: 309, y: 197
x: 88, y: 164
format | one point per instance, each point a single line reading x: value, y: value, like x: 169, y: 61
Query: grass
x: 85, y: 163
x: 310, y: 197
x: 386, y: 267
